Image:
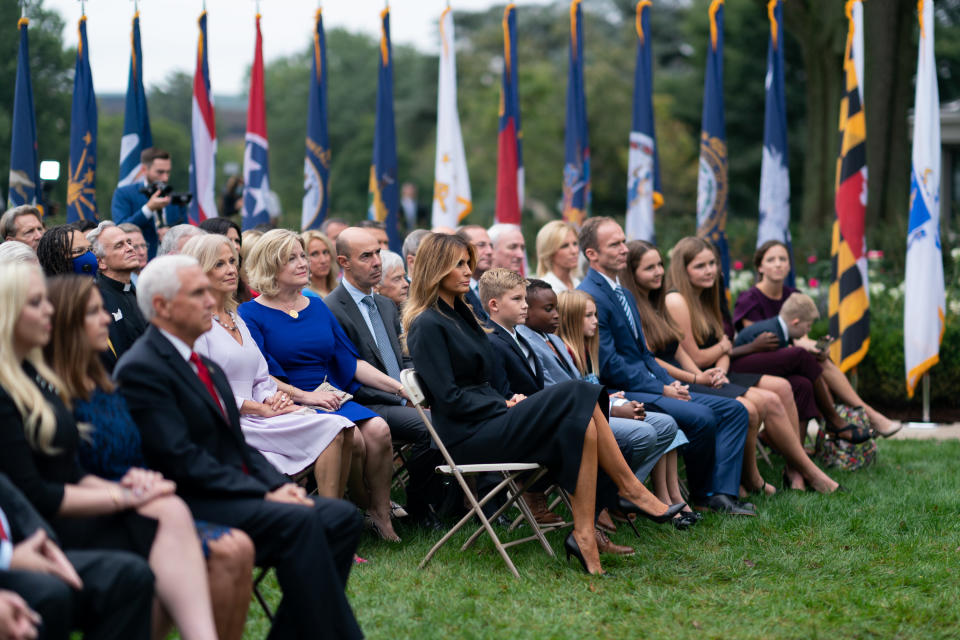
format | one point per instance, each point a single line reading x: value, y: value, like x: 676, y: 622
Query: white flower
x: 877, y: 288
x: 955, y: 254
x: 954, y: 307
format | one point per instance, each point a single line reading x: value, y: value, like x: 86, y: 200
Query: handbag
x: 326, y: 387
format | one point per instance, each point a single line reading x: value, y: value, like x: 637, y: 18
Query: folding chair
x: 510, y: 471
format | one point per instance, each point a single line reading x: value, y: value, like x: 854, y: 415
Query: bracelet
x: 117, y: 496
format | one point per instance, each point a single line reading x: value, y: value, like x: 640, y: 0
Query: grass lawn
x: 882, y: 561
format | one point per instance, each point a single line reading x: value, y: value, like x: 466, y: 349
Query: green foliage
x: 876, y: 562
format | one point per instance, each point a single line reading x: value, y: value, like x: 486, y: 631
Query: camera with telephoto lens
x: 181, y: 199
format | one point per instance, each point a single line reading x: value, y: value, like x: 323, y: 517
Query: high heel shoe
x: 573, y: 549
x: 628, y: 507
x: 373, y: 524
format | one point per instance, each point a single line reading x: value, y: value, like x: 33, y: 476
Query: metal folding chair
x: 510, y: 472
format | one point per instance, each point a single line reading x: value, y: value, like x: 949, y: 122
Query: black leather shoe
x: 721, y: 503
x: 427, y: 521
x: 628, y: 507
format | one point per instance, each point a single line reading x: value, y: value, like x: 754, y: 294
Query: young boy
x: 797, y: 315
x: 504, y: 294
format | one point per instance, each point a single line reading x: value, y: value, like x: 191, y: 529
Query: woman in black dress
x: 562, y: 427
x: 38, y: 451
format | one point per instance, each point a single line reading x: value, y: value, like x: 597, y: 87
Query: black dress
x: 739, y: 383
x: 456, y: 363
x: 41, y: 477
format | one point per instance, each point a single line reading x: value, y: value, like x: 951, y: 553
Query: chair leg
x: 525, y: 509
x: 511, y: 498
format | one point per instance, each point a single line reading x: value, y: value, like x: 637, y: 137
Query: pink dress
x: 291, y: 442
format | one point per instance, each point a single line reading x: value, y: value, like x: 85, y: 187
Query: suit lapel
x: 350, y: 307
x: 387, y: 314
x: 537, y: 370
x: 563, y: 358
x: 185, y: 371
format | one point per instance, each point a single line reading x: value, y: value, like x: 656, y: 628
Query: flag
x: 924, y: 298
x: 203, y: 143
x: 576, y: 168
x: 774, y: 168
x: 643, y: 171
x: 384, y: 190
x: 451, y: 180
x: 510, y: 136
x: 316, y: 163
x: 849, y: 305
x: 712, y: 182
x: 24, y: 187
x: 256, y: 171
x: 136, y: 118
x: 81, y: 183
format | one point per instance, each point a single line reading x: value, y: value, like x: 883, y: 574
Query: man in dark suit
x: 478, y: 237
x: 372, y: 323
x: 190, y: 428
x: 105, y: 594
x: 130, y: 204
x: 715, y: 426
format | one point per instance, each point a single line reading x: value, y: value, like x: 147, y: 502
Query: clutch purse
x: 329, y: 388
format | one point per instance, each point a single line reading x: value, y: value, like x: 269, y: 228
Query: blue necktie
x: 387, y: 355
x: 622, y: 296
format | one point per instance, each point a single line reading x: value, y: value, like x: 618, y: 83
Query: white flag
x: 640, y: 191
x: 451, y: 183
x: 924, y: 299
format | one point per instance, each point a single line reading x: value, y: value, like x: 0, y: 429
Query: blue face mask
x: 85, y: 264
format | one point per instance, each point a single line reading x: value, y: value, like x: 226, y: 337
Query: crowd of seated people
x: 162, y: 416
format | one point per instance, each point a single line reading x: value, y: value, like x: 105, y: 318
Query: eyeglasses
x: 79, y: 251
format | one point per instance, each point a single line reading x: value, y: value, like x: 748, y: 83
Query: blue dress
x: 113, y: 445
x: 307, y: 350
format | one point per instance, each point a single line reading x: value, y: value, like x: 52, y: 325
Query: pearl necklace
x: 232, y: 327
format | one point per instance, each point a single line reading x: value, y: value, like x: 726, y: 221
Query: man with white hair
x: 176, y: 237
x: 190, y: 426
x: 116, y: 261
x: 509, y: 248
x: 23, y: 224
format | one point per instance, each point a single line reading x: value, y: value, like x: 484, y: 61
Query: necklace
x: 226, y: 326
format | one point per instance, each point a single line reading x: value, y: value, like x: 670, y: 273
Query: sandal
x: 857, y: 434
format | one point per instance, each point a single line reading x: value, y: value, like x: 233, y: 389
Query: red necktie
x: 204, y: 374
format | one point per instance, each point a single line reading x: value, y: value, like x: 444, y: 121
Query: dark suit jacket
x: 345, y: 310
x: 474, y: 301
x: 522, y: 379
x: 625, y: 361
x: 457, y: 367
x: 185, y: 435
x: 749, y: 334
x: 23, y: 518
x: 127, y: 206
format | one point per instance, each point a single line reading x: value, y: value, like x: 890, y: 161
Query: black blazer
x: 345, y: 310
x: 23, y: 518
x: 749, y: 334
x: 185, y: 435
x: 522, y: 379
x: 473, y: 300
x: 457, y: 367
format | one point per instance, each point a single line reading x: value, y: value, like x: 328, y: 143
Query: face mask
x: 85, y: 264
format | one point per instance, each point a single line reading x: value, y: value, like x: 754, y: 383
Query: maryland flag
x: 576, y: 168
x: 849, y: 305
x: 384, y: 190
x: 81, y: 185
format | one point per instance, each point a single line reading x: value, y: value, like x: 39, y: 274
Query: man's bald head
x: 358, y: 253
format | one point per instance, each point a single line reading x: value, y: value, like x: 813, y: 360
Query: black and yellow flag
x: 849, y: 304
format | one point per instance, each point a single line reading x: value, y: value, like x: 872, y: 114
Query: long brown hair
x: 658, y: 327
x: 762, y: 251
x: 572, y: 307
x: 69, y: 352
x: 437, y: 255
x: 704, y: 307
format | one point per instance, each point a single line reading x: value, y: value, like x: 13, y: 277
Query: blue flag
x: 24, y: 185
x: 81, y: 186
x: 576, y: 167
x: 136, y: 119
x: 643, y: 169
x: 316, y: 164
x: 774, y: 170
x: 384, y: 191
x: 712, y: 182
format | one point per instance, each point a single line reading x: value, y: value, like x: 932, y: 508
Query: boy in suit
x: 796, y: 317
x: 504, y: 294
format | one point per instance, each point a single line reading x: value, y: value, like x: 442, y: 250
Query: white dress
x: 557, y: 284
x: 291, y: 442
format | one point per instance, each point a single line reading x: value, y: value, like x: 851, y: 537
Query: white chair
x: 510, y: 472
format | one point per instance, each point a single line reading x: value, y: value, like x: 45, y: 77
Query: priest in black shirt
x: 117, y: 260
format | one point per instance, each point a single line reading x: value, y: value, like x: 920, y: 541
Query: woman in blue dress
x: 112, y: 445
x: 305, y: 347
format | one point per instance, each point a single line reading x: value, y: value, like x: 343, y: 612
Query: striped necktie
x: 622, y: 296
x: 387, y: 355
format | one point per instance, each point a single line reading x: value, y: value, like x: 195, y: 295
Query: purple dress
x: 290, y: 442
x: 797, y: 365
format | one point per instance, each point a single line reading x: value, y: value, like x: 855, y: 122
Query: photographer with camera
x: 152, y: 203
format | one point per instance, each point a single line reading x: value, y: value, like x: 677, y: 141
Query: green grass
x: 882, y: 561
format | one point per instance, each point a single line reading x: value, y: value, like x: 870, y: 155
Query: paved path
x: 941, y: 432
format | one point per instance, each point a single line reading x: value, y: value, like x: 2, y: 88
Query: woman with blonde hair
x: 307, y: 349
x: 558, y: 255
x: 38, y: 451
x: 579, y: 326
x: 324, y: 268
x: 561, y: 427
x: 293, y: 438
x: 692, y: 303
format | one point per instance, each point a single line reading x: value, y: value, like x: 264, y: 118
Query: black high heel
x: 628, y: 507
x: 573, y: 549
